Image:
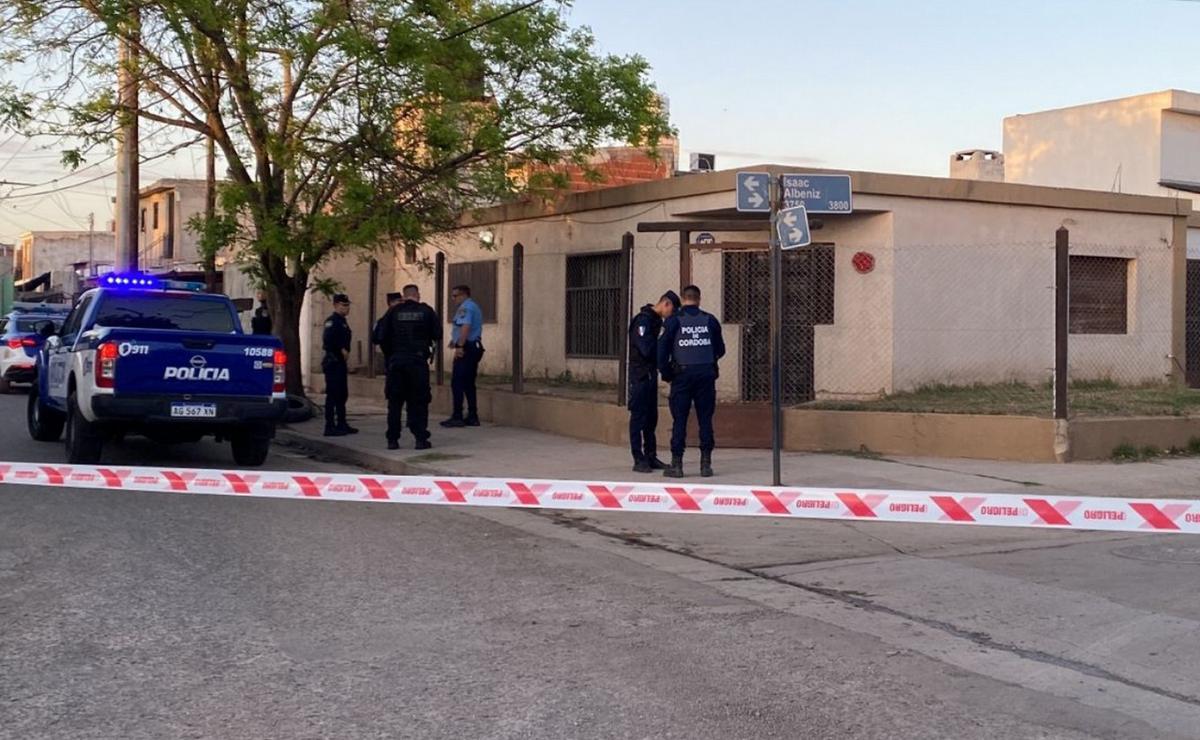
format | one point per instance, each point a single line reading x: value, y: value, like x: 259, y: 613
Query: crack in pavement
x: 859, y: 601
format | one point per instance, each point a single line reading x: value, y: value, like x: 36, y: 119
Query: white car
x: 21, y: 335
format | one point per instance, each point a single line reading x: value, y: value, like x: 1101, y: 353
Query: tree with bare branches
x: 346, y: 126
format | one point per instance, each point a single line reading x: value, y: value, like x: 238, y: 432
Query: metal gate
x: 808, y: 280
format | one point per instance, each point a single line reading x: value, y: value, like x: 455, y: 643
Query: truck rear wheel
x: 84, y: 443
x: 250, y: 450
x: 45, y: 424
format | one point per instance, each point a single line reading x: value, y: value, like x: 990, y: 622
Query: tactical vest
x: 693, y: 342
x: 410, y: 335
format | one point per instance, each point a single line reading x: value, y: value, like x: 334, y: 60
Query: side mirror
x: 46, y: 330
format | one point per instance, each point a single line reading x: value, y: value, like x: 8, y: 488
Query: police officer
x: 467, y: 343
x: 643, y: 381
x: 260, y: 323
x: 393, y: 299
x: 335, y: 341
x: 688, y: 352
x: 410, y: 332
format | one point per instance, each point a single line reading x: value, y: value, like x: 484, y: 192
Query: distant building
x: 60, y: 255
x: 165, y: 208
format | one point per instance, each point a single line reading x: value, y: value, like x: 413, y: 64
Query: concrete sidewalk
x: 509, y: 451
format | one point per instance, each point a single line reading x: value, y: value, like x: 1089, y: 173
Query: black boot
x: 642, y: 466
x: 676, y: 468
x: 655, y: 463
x: 706, y: 470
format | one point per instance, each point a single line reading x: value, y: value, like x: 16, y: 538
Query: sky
x: 855, y: 84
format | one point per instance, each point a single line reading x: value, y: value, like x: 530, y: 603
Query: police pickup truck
x: 140, y: 355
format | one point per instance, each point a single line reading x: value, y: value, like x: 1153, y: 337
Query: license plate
x: 194, y: 410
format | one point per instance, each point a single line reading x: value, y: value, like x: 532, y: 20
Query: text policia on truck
x: 139, y: 355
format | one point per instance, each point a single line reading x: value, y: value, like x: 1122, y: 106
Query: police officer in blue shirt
x: 688, y: 352
x: 643, y: 381
x: 467, y: 342
x: 335, y: 342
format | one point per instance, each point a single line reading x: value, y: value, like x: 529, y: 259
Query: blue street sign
x: 818, y: 193
x: 792, y: 227
x: 705, y: 238
x: 753, y: 192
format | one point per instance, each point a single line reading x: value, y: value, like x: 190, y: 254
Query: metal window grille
x: 480, y: 277
x: 595, y: 319
x: 1099, y: 295
x: 1192, y: 323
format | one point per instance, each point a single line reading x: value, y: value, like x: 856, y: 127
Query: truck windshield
x: 160, y: 311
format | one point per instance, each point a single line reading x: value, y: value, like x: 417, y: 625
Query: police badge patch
x: 642, y: 330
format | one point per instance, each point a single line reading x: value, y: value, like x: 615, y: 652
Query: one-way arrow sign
x: 792, y: 227
x: 753, y: 192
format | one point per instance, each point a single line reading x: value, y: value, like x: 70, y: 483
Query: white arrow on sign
x: 755, y: 199
x: 751, y: 183
x: 789, y: 220
x: 795, y: 235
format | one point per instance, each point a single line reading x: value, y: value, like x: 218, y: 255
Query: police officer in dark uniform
x: 335, y: 341
x: 260, y: 323
x: 643, y: 381
x: 409, y: 334
x: 393, y: 299
x: 688, y: 352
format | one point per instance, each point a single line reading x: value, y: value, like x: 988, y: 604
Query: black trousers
x: 337, y: 391
x: 408, y: 385
x: 693, y: 388
x: 462, y: 381
x: 643, y: 418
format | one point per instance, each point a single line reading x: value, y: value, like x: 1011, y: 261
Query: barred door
x: 808, y: 280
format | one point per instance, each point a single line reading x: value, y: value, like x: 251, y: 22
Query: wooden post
x: 439, y: 298
x: 626, y: 293
x: 518, y: 319
x: 1062, y: 288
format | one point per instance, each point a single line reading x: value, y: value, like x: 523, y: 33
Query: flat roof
x: 865, y: 183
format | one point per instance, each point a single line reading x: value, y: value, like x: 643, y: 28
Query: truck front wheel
x: 45, y: 424
x: 84, y: 442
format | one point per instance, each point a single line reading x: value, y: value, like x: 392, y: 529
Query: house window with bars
x: 595, y: 318
x: 1099, y: 295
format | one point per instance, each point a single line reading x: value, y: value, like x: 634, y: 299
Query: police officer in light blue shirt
x: 688, y: 352
x: 467, y: 342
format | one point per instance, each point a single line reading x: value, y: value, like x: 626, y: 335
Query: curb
x: 364, y: 459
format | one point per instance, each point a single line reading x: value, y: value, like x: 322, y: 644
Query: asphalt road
x: 130, y: 615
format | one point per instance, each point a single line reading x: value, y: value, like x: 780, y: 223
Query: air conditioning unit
x: 704, y: 162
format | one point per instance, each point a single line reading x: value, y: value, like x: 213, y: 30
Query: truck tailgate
x: 179, y: 363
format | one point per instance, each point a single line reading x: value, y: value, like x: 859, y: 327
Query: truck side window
x: 75, y: 318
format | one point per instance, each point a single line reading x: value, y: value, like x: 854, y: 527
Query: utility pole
x: 127, y: 151
x: 91, y: 244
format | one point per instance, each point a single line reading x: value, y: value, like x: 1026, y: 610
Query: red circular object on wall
x: 864, y: 262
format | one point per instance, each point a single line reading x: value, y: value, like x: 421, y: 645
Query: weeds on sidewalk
x: 1125, y: 453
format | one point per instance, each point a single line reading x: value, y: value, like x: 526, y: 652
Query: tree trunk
x: 285, y: 298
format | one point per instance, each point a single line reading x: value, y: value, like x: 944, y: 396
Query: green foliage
x: 391, y: 122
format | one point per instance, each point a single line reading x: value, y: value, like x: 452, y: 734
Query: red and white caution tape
x: 987, y: 509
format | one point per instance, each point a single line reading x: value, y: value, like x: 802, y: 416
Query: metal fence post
x: 439, y: 293
x: 518, y: 318
x: 626, y: 293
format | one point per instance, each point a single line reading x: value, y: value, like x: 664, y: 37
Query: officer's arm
x: 665, y: 343
x: 644, y: 341
x: 718, y: 340
x: 435, y: 325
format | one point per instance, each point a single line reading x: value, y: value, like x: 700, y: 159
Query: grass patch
x: 1126, y: 452
x: 1085, y: 398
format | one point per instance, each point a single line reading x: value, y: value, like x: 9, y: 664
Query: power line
x: 106, y: 175
x: 490, y: 21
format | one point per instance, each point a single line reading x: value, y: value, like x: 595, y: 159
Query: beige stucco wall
x: 1085, y: 146
x: 974, y: 299
x: 189, y: 202
x: 961, y: 291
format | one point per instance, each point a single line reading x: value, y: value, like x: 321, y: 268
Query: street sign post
x: 789, y: 199
x: 818, y: 193
x: 792, y: 228
x: 753, y: 192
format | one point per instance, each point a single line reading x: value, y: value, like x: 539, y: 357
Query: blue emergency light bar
x: 135, y: 281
